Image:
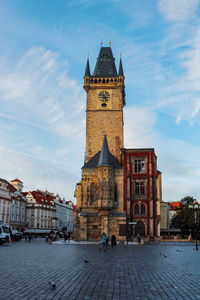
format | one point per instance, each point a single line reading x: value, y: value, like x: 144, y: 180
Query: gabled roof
x: 16, y: 180
x: 103, y: 158
x: 105, y: 65
x: 87, y: 69
x: 10, y: 187
x: 43, y: 197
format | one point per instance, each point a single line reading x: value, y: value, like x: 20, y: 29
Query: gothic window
x: 115, y: 194
x: 139, y: 188
x: 136, y: 210
x: 104, y: 186
x: 105, y: 57
x: 139, y: 165
x: 92, y: 193
x: 143, y: 210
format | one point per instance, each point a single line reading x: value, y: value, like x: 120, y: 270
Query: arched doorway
x: 140, y: 228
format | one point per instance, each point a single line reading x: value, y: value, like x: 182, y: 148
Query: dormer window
x: 110, y: 72
x: 105, y: 57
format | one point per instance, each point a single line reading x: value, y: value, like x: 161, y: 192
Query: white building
x: 40, y: 211
x: 5, y: 201
x: 18, y: 207
x: 64, y: 214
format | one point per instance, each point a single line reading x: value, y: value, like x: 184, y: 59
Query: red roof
x: 74, y: 206
x: 43, y: 198
x: 175, y: 205
x: 11, y: 188
x: 17, y: 180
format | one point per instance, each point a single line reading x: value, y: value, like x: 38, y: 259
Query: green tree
x: 184, y: 218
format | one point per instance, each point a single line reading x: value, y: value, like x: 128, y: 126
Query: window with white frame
x: 139, y: 165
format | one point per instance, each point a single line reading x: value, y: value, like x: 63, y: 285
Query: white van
x: 4, y: 233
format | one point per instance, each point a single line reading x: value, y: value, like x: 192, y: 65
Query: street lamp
x: 195, y: 206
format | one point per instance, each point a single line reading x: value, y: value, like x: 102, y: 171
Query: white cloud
x: 178, y: 10
x: 42, y: 122
x: 36, y: 173
x: 139, y: 122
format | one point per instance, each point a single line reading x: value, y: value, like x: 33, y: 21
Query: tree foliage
x: 184, y: 218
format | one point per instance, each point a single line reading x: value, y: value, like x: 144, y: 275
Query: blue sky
x: 43, y: 50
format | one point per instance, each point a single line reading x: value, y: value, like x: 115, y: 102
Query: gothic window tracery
x: 92, y: 193
x: 136, y: 209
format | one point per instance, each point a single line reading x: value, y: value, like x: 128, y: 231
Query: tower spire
x: 105, y: 65
x: 104, y: 157
x: 87, y: 69
x: 120, y: 72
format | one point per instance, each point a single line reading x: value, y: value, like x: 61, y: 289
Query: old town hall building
x: 120, y: 189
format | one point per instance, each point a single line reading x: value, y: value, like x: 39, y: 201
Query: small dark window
x: 103, y: 104
x: 136, y: 209
x: 143, y: 212
x: 115, y: 194
x: 105, y: 57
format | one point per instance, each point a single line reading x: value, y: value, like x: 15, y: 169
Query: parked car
x: 4, y: 233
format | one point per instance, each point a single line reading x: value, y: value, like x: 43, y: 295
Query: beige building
x: 164, y: 215
x: 110, y: 197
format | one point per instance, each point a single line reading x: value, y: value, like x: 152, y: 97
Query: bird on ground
x: 86, y: 261
x: 52, y: 284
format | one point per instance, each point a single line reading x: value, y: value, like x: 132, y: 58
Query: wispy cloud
x: 39, y: 98
x: 178, y: 10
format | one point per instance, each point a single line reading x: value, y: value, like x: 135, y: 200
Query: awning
x: 32, y: 230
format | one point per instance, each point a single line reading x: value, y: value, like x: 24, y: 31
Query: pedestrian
x: 113, y: 241
x: 139, y: 239
x: 25, y: 238
x: 29, y: 237
x: 107, y: 241
x: 68, y: 237
x: 104, y: 238
x: 65, y: 237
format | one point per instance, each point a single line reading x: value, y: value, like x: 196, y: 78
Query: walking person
x: 113, y: 241
x: 65, y: 237
x: 104, y: 238
x: 139, y: 239
x: 68, y: 237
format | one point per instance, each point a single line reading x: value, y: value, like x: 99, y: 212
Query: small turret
x: 121, y: 72
x: 87, y: 69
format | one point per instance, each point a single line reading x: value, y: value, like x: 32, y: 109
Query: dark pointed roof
x: 103, y: 158
x: 105, y: 65
x: 121, y: 72
x: 87, y: 69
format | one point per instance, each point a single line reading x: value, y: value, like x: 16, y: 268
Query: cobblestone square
x: 153, y: 271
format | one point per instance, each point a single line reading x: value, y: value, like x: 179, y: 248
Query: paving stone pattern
x: 153, y: 271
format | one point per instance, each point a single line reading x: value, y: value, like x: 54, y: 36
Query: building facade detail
x: 118, y: 186
x: 40, y: 210
x: 5, y: 202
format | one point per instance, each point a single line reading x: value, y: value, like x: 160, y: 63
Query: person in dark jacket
x: 113, y: 241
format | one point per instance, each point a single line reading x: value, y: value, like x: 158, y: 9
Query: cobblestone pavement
x: 153, y: 271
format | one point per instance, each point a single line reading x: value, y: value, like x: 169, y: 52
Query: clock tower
x: 105, y: 102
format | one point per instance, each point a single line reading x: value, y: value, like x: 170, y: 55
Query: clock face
x: 104, y: 96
